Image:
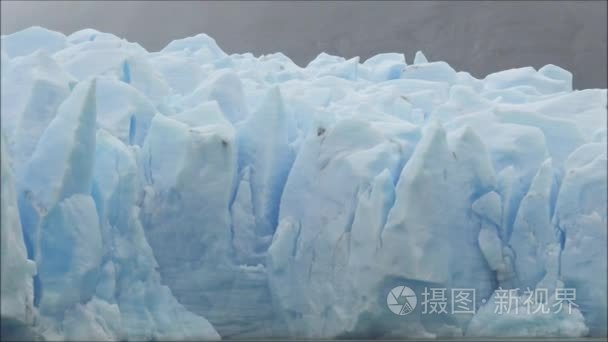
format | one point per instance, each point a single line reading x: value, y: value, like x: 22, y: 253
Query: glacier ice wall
x: 192, y: 194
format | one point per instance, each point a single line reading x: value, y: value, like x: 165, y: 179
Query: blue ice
x: 193, y: 194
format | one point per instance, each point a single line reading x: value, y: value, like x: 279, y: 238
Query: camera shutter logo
x: 401, y: 300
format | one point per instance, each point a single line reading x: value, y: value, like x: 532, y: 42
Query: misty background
x: 480, y: 37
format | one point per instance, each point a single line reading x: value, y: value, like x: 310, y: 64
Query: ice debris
x: 189, y: 193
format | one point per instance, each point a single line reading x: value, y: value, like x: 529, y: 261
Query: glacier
x: 190, y: 193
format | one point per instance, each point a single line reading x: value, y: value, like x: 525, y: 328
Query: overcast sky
x: 476, y: 36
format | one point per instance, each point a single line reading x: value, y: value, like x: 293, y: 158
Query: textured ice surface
x: 188, y: 193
